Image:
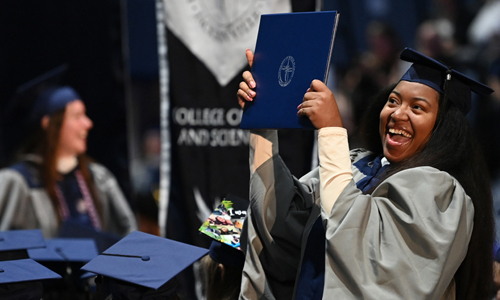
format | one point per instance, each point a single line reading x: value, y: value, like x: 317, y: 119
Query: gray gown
x: 29, y: 207
x: 404, y: 241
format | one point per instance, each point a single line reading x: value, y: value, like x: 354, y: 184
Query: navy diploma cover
x: 292, y: 49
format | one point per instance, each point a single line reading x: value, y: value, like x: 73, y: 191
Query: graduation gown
x: 405, y: 240
x: 24, y: 203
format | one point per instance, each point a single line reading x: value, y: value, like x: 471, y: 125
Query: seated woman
x: 55, y: 181
x: 410, y: 217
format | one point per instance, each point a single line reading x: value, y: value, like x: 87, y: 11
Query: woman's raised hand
x: 246, y: 91
x: 320, y: 106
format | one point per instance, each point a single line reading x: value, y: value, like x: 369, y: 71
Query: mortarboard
x: 225, y: 226
x: 16, y: 242
x: 66, y: 256
x: 27, y: 94
x: 443, y: 79
x: 79, y: 250
x: 20, y: 276
x: 144, y: 259
x: 26, y: 108
x: 21, y: 270
x: 226, y: 255
x: 43, y: 95
x: 225, y: 223
x: 72, y: 229
x: 53, y: 100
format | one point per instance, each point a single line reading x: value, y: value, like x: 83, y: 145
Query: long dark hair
x: 47, y: 144
x: 452, y: 148
x: 220, y: 283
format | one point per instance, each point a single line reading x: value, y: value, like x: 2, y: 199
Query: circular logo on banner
x: 286, y: 71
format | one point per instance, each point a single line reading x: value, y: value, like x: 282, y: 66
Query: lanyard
x: 87, y: 198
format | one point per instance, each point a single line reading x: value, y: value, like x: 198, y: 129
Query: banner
x: 206, y: 42
x: 217, y: 32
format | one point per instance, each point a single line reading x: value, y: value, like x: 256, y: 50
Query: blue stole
x: 312, y: 273
x: 371, y: 167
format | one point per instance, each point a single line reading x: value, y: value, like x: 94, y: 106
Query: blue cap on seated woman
x: 443, y: 79
x: 53, y: 100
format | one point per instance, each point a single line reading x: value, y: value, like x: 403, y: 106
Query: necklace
x: 87, y: 198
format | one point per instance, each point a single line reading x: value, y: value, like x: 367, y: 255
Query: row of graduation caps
x: 139, y: 258
x: 140, y: 261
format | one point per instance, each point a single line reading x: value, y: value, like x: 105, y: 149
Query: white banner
x: 217, y: 32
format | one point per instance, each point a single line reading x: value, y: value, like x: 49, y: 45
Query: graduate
x: 409, y: 217
x: 53, y: 180
x: 221, y: 269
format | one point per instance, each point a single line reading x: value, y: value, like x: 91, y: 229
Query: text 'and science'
x: 195, y: 126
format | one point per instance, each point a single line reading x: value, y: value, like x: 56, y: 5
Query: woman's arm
x: 334, y: 164
x: 280, y: 208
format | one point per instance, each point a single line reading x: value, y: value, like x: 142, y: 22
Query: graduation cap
x: 40, y: 96
x: 225, y: 227
x: 78, y: 250
x: 145, y: 260
x: 14, y: 243
x: 66, y: 256
x: 226, y: 255
x: 27, y: 95
x: 225, y: 223
x: 73, y: 229
x: 53, y: 100
x: 20, y: 276
x: 456, y: 86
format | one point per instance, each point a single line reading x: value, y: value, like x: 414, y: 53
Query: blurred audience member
x: 372, y: 70
x: 146, y: 181
x: 435, y: 38
x: 54, y: 181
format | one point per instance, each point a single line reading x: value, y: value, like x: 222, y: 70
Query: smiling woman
x: 54, y: 182
x: 407, y: 120
x: 74, y: 130
x: 410, y: 217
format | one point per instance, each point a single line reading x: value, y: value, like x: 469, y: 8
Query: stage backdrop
x: 206, y: 42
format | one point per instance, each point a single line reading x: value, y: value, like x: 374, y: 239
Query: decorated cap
x: 225, y: 226
x: 225, y: 223
x: 443, y: 79
x: 145, y: 260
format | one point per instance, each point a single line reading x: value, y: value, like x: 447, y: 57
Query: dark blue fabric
x: 68, y: 185
x: 496, y: 251
x: 312, y: 273
x: 29, y: 172
x: 226, y: 255
x: 53, y: 100
x: 371, y: 166
x: 74, y: 199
